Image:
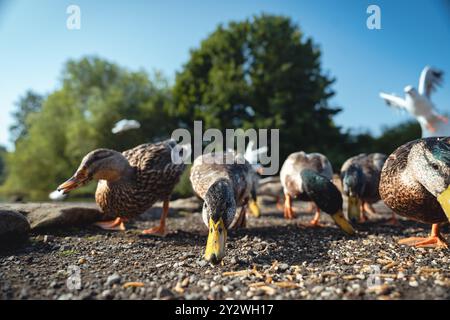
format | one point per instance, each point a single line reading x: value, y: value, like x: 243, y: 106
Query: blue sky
x: 154, y: 34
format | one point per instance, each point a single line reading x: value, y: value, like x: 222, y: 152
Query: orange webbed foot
x: 315, y: 222
x: 428, y: 242
x: 430, y: 127
x: 159, y: 231
x: 115, y: 225
x: 443, y: 119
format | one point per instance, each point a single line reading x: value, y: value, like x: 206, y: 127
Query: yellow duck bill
x: 217, y: 237
x: 353, y: 209
x: 340, y: 220
x: 254, y: 208
x: 444, y: 201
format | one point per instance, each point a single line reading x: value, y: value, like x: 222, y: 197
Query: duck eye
x: 434, y: 166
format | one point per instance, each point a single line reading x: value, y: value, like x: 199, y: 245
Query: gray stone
x: 14, y: 227
x: 163, y: 293
x: 113, y: 279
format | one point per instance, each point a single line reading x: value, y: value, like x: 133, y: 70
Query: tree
x: 28, y: 104
x: 78, y: 117
x: 393, y: 137
x: 3, y: 153
x: 259, y: 73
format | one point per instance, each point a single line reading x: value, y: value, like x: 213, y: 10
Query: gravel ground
x: 271, y: 259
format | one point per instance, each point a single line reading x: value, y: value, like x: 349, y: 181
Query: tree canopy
x: 259, y: 73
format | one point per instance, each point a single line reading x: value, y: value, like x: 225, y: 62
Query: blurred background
x: 310, y: 68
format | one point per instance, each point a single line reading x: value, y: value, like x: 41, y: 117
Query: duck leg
x: 315, y: 222
x: 362, y: 216
x: 430, y: 127
x: 241, y: 221
x: 279, y: 204
x: 435, y: 240
x: 393, y: 221
x: 288, y: 212
x: 161, y: 229
x: 369, y: 208
x: 116, y: 224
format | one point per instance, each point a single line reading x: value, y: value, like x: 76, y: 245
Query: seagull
x: 124, y: 125
x: 57, y: 195
x: 418, y: 103
x: 251, y: 155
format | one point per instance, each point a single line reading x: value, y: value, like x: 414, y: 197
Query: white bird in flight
x: 418, y: 103
x: 124, y: 125
x: 57, y: 195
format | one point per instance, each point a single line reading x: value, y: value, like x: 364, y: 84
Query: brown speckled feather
x: 403, y: 193
x: 155, y: 176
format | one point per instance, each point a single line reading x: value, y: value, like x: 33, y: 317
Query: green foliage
x: 259, y: 73
x: 395, y: 136
x: 28, y: 105
x: 3, y: 154
x: 78, y: 118
x: 184, y: 188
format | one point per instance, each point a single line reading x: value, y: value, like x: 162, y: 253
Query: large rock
x: 192, y: 204
x: 56, y: 216
x: 14, y: 227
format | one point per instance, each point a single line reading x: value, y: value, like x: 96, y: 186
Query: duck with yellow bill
x: 415, y: 183
x: 225, y: 182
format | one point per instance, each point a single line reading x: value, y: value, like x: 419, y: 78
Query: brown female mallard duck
x: 129, y: 183
x: 308, y: 177
x: 360, y: 176
x: 415, y: 183
x: 225, y: 181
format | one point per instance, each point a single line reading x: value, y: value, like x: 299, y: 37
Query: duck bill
x: 70, y: 185
x: 353, y: 208
x: 217, y: 237
x: 340, y: 220
x: 444, y: 201
x: 254, y: 208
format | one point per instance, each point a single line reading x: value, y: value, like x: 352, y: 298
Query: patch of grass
x: 93, y: 238
x: 68, y: 252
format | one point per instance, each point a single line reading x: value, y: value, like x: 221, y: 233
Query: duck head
x: 326, y: 196
x: 430, y: 160
x: 100, y: 164
x: 353, y: 182
x: 219, y: 209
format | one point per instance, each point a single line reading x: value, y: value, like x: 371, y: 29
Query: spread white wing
x: 430, y: 79
x: 394, y: 101
x: 124, y: 125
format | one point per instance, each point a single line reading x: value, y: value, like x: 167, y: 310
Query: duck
x: 308, y: 177
x: 415, y: 182
x: 360, y: 176
x: 130, y: 182
x: 224, y: 181
x: 418, y: 103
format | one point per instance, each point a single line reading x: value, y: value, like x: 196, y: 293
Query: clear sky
x: 154, y: 34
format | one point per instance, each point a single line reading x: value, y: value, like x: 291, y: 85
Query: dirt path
x: 271, y: 259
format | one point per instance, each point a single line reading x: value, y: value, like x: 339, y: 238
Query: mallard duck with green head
x: 415, y: 183
x: 225, y: 182
x: 360, y: 176
x: 129, y: 182
x: 308, y: 177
